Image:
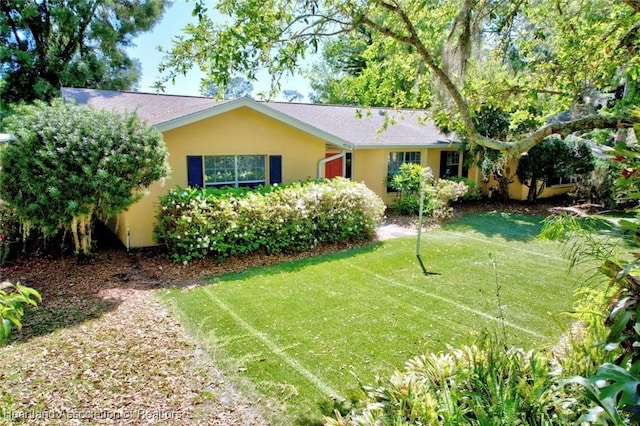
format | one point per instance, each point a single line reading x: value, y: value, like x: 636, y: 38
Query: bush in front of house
x: 474, y: 192
x: 194, y: 224
x: 67, y: 165
x: 438, y: 193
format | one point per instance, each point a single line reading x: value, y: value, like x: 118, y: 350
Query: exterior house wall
x: 370, y: 167
x: 237, y: 132
x: 518, y: 190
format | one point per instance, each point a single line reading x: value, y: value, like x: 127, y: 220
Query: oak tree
x: 532, y: 60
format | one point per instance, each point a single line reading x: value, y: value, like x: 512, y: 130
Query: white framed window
x: 234, y: 170
x: 397, y: 159
x: 449, y: 163
x: 565, y: 180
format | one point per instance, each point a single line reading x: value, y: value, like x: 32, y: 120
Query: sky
x: 173, y: 20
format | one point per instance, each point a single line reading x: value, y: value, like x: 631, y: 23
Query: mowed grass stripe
x: 508, y: 246
x: 468, y: 277
x: 315, y: 380
x: 457, y: 305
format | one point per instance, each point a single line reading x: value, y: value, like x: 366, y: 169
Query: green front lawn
x: 300, y: 333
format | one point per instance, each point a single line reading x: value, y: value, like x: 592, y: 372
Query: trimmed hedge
x: 193, y: 223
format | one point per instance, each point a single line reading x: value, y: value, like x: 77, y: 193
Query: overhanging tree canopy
x: 533, y: 59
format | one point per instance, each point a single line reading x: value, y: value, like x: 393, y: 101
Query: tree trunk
x: 81, y: 231
x: 533, y: 189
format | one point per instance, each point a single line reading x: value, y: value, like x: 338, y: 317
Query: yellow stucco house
x: 244, y: 142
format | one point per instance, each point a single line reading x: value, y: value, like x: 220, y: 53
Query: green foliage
x: 12, y: 299
x: 473, y: 193
x: 599, y: 186
x: 410, y: 178
x: 69, y: 164
x: 237, y: 87
x: 350, y: 72
x: 473, y: 385
x: 194, y: 224
x: 614, y: 390
x: 10, y: 231
x: 76, y: 44
x: 551, y: 159
x: 628, y: 182
x: 438, y: 193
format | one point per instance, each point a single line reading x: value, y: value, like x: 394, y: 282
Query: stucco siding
x: 239, y: 132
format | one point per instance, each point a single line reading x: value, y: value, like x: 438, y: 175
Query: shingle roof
x: 338, y: 124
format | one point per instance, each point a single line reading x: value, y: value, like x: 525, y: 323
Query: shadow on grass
x: 298, y: 264
x: 510, y: 226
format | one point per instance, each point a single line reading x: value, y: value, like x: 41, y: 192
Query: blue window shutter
x: 195, y: 172
x: 275, y: 169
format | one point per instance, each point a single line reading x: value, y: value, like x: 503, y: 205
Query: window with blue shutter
x: 195, y: 172
x: 275, y: 169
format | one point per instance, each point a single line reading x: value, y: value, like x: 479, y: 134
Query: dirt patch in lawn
x: 102, y: 348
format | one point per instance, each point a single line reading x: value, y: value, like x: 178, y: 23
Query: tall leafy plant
x: 613, y: 388
x: 69, y: 164
x: 412, y: 179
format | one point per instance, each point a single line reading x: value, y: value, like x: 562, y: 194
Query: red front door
x: 333, y: 168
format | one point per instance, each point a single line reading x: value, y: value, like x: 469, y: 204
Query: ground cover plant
x: 303, y: 335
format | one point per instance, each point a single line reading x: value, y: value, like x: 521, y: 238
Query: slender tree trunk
x: 81, y: 231
x: 533, y: 189
x: 74, y: 232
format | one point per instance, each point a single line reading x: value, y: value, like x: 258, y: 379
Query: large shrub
x: 551, y: 159
x: 68, y: 164
x: 599, y: 185
x: 193, y: 223
x: 473, y: 193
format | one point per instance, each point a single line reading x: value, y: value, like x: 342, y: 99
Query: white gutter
x: 324, y: 161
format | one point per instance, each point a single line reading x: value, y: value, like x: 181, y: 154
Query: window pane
x: 453, y: 158
x: 251, y: 168
x: 219, y: 169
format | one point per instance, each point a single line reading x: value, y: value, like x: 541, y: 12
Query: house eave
x: 439, y: 144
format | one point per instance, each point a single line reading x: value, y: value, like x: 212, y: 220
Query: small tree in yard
x: 438, y: 193
x: 69, y: 164
x: 553, y: 159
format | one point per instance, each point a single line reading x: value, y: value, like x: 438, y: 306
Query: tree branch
x: 565, y: 128
x: 444, y: 78
x: 634, y: 4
